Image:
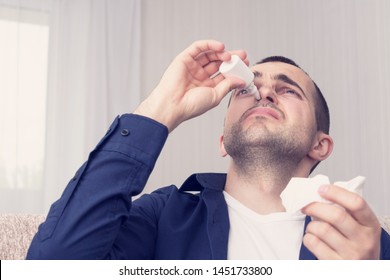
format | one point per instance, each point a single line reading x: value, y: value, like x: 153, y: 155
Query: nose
x: 267, y: 94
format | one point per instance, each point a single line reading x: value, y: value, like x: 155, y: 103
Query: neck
x: 258, y: 182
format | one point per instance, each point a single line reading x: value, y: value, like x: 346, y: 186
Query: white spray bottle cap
x: 237, y: 68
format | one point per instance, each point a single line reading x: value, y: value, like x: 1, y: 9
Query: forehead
x: 270, y: 70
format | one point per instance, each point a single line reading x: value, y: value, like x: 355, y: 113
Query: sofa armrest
x: 16, y: 233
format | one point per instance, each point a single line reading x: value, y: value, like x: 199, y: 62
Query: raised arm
x: 91, y: 219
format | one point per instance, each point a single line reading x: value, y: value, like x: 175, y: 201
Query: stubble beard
x: 258, y: 150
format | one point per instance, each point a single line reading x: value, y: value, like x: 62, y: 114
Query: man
x: 271, y: 140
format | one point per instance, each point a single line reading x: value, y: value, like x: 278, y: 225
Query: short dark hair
x: 320, y: 104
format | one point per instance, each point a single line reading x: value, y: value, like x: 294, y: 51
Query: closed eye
x: 289, y: 91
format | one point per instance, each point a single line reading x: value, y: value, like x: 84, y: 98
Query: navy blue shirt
x: 95, y: 218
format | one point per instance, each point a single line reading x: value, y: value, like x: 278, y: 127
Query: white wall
x: 343, y: 44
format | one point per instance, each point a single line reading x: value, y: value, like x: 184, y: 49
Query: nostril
x: 269, y: 98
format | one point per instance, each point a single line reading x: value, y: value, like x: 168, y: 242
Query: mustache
x: 262, y: 104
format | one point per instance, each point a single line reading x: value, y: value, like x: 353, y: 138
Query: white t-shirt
x: 276, y: 236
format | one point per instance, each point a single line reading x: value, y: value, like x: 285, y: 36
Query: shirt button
x: 125, y: 132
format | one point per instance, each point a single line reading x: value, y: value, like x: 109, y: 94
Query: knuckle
x: 324, y: 229
x: 358, y: 203
x: 310, y: 240
x: 319, y: 228
x: 215, y: 100
x: 340, y: 216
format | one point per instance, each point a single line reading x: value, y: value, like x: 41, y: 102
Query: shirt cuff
x: 135, y: 136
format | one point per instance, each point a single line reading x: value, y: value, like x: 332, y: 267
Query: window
x: 24, y: 37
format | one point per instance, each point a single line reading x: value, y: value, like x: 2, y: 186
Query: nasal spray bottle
x: 237, y: 68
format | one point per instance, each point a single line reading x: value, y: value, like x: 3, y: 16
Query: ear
x: 322, y: 147
x: 222, y: 147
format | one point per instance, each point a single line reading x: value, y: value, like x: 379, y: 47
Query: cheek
x: 303, y: 115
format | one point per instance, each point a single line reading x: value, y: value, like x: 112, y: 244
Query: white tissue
x: 302, y: 191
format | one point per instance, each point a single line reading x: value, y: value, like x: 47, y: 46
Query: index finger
x: 203, y: 46
x: 205, y: 58
x: 352, y: 202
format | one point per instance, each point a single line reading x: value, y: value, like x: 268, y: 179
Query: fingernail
x: 323, y: 189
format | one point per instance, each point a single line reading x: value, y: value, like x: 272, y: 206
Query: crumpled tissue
x: 302, y: 191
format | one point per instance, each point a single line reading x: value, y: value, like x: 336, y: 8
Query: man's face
x: 286, y: 109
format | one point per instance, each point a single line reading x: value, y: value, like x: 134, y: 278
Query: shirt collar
x: 216, y: 182
x: 200, y: 181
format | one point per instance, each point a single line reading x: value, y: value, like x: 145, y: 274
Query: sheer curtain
x: 93, y: 75
x: 343, y: 44
x: 24, y: 35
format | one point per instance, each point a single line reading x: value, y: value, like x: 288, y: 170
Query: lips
x: 263, y: 111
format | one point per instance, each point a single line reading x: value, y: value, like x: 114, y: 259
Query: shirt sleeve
x: 86, y: 221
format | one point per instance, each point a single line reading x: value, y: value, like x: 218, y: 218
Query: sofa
x: 17, y: 231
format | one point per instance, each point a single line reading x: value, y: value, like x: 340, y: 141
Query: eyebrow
x: 283, y: 78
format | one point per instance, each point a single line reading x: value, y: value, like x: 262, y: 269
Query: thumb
x: 226, y: 86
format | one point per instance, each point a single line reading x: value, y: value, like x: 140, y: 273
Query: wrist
x: 158, y: 112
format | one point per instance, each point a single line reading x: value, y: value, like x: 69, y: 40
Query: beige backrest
x: 16, y: 233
